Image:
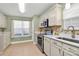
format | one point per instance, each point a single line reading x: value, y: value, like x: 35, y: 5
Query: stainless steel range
x: 40, y: 42
x: 40, y: 38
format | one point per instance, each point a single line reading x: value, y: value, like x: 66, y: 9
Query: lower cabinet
x: 67, y: 53
x: 55, y: 51
x: 4, y: 40
x: 47, y: 46
x: 70, y: 50
x: 57, y: 48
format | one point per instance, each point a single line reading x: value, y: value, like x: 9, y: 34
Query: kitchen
x: 53, y: 30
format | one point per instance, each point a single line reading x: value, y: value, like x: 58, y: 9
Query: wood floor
x: 23, y: 49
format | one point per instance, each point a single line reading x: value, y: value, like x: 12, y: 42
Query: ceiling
x: 31, y: 9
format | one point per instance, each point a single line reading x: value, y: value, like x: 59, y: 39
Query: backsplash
x: 56, y: 30
x: 69, y: 32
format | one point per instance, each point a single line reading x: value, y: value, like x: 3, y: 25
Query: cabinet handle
x: 59, y: 51
x: 63, y: 53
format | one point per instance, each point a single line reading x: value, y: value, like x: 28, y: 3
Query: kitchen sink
x: 69, y: 39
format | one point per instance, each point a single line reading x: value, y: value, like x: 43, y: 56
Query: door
x: 55, y: 51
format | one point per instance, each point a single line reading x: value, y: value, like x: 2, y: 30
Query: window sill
x: 21, y: 36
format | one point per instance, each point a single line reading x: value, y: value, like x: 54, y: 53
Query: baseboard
x: 22, y: 41
x: 2, y: 51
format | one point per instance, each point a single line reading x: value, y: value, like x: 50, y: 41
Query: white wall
x: 71, y: 16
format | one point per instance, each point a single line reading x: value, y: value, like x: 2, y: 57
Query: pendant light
x: 67, y: 5
x: 21, y: 7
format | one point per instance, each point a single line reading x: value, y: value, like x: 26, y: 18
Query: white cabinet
x: 47, y: 46
x: 2, y: 21
x: 1, y: 41
x: 55, y: 16
x: 4, y: 40
x: 51, y: 47
x: 67, y: 53
x: 51, y: 19
x: 73, y: 50
x: 55, y: 51
x: 55, y: 48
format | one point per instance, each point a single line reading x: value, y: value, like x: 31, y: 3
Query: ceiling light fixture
x: 67, y: 5
x: 21, y: 7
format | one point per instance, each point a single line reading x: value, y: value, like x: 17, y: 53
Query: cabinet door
x: 52, y: 20
x: 58, y: 16
x: 55, y: 51
x: 55, y: 16
x: 1, y: 41
x: 6, y: 39
x: 47, y: 46
x: 67, y: 53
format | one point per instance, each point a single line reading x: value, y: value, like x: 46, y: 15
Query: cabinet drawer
x: 71, y: 48
x: 58, y: 43
x: 47, y: 39
x: 67, y: 53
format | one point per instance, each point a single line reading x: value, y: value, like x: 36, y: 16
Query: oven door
x: 40, y: 42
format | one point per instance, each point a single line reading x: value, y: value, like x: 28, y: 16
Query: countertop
x: 64, y: 41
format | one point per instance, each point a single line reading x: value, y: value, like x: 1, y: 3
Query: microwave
x: 46, y: 23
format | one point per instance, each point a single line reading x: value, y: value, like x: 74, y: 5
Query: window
x: 21, y: 28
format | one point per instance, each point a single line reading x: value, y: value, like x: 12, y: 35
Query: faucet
x: 72, y: 31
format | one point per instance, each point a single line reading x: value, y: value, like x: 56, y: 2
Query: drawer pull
x: 59, y: 51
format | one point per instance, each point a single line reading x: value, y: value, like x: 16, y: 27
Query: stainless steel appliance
x: 40, y: 38
x: 45, y: 23
x: 40, y: 42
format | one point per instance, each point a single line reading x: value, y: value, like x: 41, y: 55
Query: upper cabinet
x: 2, y: 21
x: 54, y: 15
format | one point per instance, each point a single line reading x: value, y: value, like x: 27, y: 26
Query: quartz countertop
x: 54, y: 37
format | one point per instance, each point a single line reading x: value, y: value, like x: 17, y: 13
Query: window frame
x: 16, y: 36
